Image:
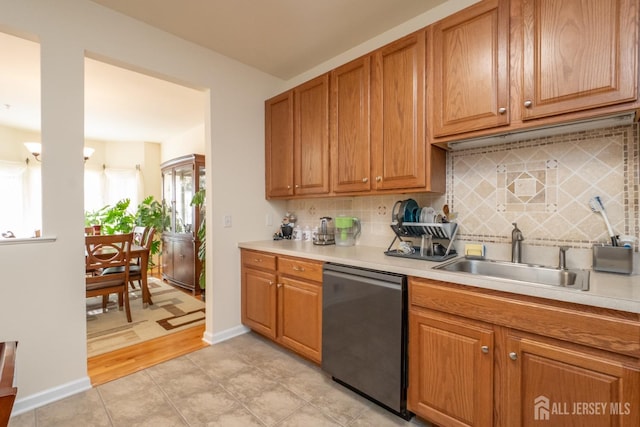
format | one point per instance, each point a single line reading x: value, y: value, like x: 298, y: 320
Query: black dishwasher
x: 364, y: 333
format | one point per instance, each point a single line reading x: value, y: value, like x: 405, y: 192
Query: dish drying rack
x: 445, y: 231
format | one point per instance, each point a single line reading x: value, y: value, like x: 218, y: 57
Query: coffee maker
x: 325, y: 235
x: 347, y: 230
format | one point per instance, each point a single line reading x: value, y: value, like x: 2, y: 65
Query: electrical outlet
x: 227, y: 221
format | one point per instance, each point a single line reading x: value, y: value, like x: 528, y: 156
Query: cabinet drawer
x: 258, y: 260
x: 304, y: 269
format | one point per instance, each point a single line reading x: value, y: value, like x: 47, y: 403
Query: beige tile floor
x: 246, y: 381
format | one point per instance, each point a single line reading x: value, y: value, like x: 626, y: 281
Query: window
x: 107, y: 186
x: 20, y: 186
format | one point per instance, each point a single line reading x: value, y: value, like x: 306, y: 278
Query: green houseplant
x: 117, y: 219
x: 198, y: 200
x: 112, y: 219
x: 150, y: 213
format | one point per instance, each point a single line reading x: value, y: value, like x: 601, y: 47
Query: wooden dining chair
x: 139, y: 238
x: 136, y: 268
x: 142, y: 236
x: 109, y: 251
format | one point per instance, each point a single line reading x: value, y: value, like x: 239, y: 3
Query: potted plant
x: 198, y: 200
x: 112, y: 219
x: 150, y: 213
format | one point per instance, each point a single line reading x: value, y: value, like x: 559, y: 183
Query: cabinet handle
x: 485, y: 349
x: 365, y: 179
x: 502, y: 110
x: 513, y: 355
x: 296, y: 268
x: 257, y: 260
x: 378, y: 178
x: 279, y: 285
x: 528, y: 103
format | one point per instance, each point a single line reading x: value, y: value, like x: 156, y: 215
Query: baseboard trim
x: 224, y: 335
x: 54, y: 394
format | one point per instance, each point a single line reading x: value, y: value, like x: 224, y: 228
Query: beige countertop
x: 607, y: 290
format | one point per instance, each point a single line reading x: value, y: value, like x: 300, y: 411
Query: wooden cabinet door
x: 184, y: 263
x: 397, y: 114
x: 349, y: 124
x: 300, y: 317
x: 279, y: 145
x: 450, y: 369
x: 258, y: 309
x: 469, y: 69
x: 311, y: 141
x: 578, y: 54
x: 167, y: 257
x: 552, y: 385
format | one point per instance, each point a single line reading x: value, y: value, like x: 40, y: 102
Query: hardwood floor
x: 116, y: 364
x: 119, y: 363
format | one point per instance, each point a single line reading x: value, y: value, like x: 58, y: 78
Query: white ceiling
x: 280, y: 37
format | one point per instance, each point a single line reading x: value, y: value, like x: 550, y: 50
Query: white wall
x: 191, y: 142
x: 41, y: 290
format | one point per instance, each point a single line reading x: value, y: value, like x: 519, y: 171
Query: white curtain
x: 20, y: 193
x: 93, y: 189
x: 123, y: 184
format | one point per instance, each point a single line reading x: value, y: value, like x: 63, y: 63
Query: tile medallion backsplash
x: 542, y: 184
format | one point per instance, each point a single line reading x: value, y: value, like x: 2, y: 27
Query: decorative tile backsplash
x: 542, y: 184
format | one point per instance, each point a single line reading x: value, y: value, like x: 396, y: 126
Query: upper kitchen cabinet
x: 468, y: 69
x: 349, y: 124
x: 297, y: 140
x: 397, y: 114
x: 578, y: 55
x: 279, y: 145
x: 311, y: 137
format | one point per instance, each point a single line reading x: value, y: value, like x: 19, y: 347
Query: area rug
x: 172, y: 311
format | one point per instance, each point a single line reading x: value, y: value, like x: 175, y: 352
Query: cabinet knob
x: 502, y: 110
x: 513, y: 355
x: 378, y: 178
x: 279, y: 285
x: 270, y: 283
x: 365, y: 179
x: 288, y: 187
x: 528, y: 103
x: 297, y: 186
x: 485, y: 349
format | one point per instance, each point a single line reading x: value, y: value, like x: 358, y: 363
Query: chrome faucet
x: 562, y: 257
x: 516, y: 244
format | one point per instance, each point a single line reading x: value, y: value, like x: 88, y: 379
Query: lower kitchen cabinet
x: 487, y: 358
x: 551, y: 382
x: 282, y: 300
x: 451, y: 369
x: 259, y: 301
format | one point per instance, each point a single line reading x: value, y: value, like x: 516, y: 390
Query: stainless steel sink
x: 571, y: 278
